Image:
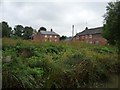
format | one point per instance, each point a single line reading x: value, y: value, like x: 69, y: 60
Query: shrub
x: 57, y: 65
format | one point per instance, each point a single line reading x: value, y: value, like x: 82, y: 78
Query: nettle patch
x: 57, y: 65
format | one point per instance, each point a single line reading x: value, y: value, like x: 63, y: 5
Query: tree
x: 28, y: 31
x: 0, y: 30
x: 6, y: 29
x: 42, y: 29
x: 63, y: 37
x: 111, y: 29
x: 18, y: 30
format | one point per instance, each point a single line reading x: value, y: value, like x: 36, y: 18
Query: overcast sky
x: 56, y: 14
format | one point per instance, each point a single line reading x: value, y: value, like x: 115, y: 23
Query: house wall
x: 98, y: 39
x: 36, y: 37
x: 92, y: 39
x: 51, y: 38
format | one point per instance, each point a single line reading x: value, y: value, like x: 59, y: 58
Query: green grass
x: 30, y: 64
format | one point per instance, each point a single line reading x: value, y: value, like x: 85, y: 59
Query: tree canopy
x: 19, y: 30
x: 6, y: 29
x: 111, y: 29
x: 63, y: 37
x: 27, y: 33
x: 42, y: 29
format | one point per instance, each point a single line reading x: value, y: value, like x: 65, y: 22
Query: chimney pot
x: 51, y: 30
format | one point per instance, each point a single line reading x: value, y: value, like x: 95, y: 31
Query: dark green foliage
x: 18, y: 30
x: 27, y: 33
x: 42, y: 29
x: 102, y: 50
x: 6, y: 29
x: 17, y: 70
x: 63, y: 37
x: 51, y: 65
x: 19, y: 74
x: 54, y: 49
x: 76, y: 58
x: 111, y: 28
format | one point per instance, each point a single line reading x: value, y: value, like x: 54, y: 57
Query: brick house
x: 50, y: 36
x: 92, y: 36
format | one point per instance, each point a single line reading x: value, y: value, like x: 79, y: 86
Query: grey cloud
x: 59, y: 16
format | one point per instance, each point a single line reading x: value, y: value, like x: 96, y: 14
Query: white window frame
x: 90, y: 36
x: 55, y: 36
x: 50, y: 36
x: 45, y: 36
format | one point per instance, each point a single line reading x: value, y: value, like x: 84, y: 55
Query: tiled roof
x: 91, y: 31
x: 48, y: 33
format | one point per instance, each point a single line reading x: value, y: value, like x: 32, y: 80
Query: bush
x: 57, y: 65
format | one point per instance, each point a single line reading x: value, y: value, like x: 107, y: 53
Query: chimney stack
x: 72, y: 30
x: 51, y: 30
x: 86, y: 28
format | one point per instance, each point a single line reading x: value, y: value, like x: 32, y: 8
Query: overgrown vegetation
x: 111, y: 29
x: 28, y: 64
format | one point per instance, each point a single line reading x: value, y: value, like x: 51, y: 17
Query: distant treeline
x: 20, y: 31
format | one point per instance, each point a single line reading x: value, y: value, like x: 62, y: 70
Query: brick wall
x: 98, y: 39
x: 51, y: 38
x: 92, y: 39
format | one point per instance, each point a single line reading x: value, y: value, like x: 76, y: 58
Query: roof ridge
x: 49, y: 32
x: 90, y: 31
x: 93, y: 28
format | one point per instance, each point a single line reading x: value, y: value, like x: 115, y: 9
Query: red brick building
x: 50, y: 36
x: 92, y: 36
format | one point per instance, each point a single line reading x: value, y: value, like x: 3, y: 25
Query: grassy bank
x: 30, y: 64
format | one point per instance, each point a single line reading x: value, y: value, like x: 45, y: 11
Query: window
x: 55, y: 36
x: 90, y: 36
x: 45, y: 40
x: 86, y: 36
x: 45, y: 35
x: 82, y: 37
x: 50, y: 36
